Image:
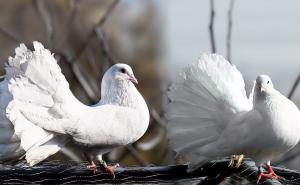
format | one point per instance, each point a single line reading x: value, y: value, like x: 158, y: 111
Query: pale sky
x: 265, y: 38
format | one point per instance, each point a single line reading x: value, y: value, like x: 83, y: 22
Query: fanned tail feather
x: 36, y: 82
x: 205, y: 97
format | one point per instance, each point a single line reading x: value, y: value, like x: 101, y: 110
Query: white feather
x: 203, y: 100
x: 45, y: 114
x: 34, y: 81
x: 210, y: 115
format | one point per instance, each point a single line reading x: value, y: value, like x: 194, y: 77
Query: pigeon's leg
x: 269, y: 175
x: 92, y: 165
x: 108, y: 168
x: 236, y: 161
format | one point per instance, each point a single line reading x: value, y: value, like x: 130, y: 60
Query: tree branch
x: 229, y: 31
x: 105, y: 47
x: 294, y: 87
x: 9, y: 35
x: 211, y: 27
x: 69, y: 22
x: 57, y: 172
x: 45, y: 15
x: 92, y: 33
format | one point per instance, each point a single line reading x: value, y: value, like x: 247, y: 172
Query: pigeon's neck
x: 266, y: 103
x: 121, y: 93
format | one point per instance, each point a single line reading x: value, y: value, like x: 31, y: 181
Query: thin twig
x: 78, y: 76
x: 92, y: 33
x: 46, y: 17
x: 155, y: 115
x: 104, y: 45
x: 229, y: 31
x: 148, y: 145
x: 84, y: 83
x: 9, y: 35
x: 136, y: 155
x: 294, y: 87
x: 211, y: 27
x: 69, y: 22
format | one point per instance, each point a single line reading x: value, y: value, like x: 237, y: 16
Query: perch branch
x: 56, y: 172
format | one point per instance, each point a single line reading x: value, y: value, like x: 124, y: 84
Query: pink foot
x: 92, y: 166
x: 269, y: 175
x: 109, y: 168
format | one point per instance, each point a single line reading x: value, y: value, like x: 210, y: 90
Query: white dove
x: 45, y: 114
x: 210, y: 116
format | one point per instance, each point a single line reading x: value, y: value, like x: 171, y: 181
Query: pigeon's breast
x: 281, y: 119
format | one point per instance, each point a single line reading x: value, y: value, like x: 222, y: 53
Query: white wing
x: 39, y: 92
x: 108, y: 125
x: 203, y: 101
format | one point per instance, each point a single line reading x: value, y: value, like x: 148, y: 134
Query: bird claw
x: 236, y: 161
x: 109, y: 168
x: 92, y: 166
x: 269, y: 175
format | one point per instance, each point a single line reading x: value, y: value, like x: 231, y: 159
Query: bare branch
x: 287, y: 159
x: 45, y: 15
x: 86, y: 86
x: 211, y: 27
x: 136, y: 155
x: 155, y: 115
x: 92, y: 33
x: 9, y: 35
x: 294, y: 87
x: 78, y: 76
x: 57, y: 172
x: 104, y: 45
x: 229, y: 31
x: 69, y: 22
x: 148, y: 145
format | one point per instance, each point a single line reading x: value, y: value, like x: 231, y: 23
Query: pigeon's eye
x: 268, y: 82
x: 122, y: 70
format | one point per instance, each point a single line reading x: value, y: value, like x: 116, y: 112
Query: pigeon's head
x: 263, y: 84
x: 119, y: 73
x: 263, y: 88
x: 117, y: 85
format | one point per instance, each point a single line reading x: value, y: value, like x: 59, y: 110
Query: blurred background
x: 157, y: 38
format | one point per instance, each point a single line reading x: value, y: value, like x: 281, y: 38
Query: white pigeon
x: 45, y: 114
x: 209, y: 116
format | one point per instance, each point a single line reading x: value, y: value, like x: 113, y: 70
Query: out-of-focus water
x: 265, y: 37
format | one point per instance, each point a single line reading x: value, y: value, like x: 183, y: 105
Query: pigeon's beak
x: 133, y: 79
x: 261, y: 88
